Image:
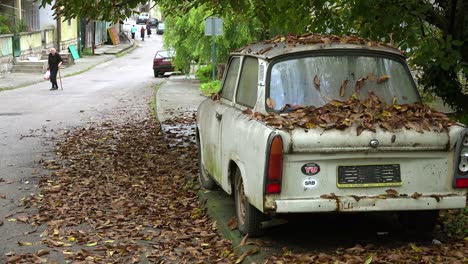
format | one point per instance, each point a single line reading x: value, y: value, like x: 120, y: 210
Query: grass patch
x: 87, y: 52
x: 210, y: 87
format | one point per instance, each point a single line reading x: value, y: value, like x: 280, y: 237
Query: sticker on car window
x: 310, y: 183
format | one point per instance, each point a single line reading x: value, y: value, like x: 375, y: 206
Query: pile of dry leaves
x: 368, y: 114
x: 124, y: 192
x: 314, y: 38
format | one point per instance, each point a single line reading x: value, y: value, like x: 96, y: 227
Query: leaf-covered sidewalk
x: 123, y: 192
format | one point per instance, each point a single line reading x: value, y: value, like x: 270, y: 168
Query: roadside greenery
x: 204, y: 73
x: 4, y: 29
x: 210, y: 87
x: 186, y: 35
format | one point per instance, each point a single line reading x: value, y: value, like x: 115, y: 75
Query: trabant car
x: 273, y: 170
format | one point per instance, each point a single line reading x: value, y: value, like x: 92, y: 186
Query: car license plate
x: 369, y: 176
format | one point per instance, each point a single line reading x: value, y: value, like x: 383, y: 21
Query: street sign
x: 213, y: 26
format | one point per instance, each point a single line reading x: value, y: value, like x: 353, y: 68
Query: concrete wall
x: 31, y: 44
x: 69, y: 34
x: 48, y: 39
x: 6, y: 53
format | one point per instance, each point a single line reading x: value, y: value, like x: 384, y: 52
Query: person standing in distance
x: 142, y: 31
x: 133, y: 30
x: 148, y: 28
x: 54, y: 63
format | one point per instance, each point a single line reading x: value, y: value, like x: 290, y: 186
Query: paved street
x: 31, y: 115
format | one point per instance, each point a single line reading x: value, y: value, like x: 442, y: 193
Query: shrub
x: 87, y: 51
x: 19, y: 27
x: 4, y: 29
x: 204, y: 73
x: 210, y: 87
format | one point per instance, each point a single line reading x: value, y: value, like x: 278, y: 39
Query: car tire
x: 204, y: 178
x: 421, y: 222
x: 156, y: 73
x: 249, y: 218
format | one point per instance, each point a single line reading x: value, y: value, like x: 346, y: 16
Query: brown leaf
x: 247, y: 111
x: 232, y: 224
x: 244, y: 240
x: 317, y: 82
x: 382, y: 79
x: 359, y: 84
x: 215, y: 97
x: 271, y: 103
x: 14, y: 259
x: 331, y: 196
x: 250, y: 252
x: 343, y: 88
x: 391, y: 192
x: 357, y: 249
x: 42, y: 252
x: 23, y: 219
x: 416, y: 195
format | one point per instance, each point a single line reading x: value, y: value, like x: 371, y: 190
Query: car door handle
x: 219, y: 116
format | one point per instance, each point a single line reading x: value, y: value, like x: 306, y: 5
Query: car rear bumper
x: 165, y: 68
x: 367, y: 204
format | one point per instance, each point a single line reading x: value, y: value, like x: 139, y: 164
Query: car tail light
x: 461, y: 183
x: 158, y: 60
x: 274, y: 166
x: 461, y: 175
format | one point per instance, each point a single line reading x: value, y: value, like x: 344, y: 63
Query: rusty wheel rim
x: 241, y: 202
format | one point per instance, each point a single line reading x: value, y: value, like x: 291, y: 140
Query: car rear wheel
x: 204, y: 177
x: 156, y: 73
x: 418, y: 221
x: 249, y: 218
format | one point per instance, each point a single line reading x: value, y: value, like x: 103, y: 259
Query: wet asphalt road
x: 31, y: 116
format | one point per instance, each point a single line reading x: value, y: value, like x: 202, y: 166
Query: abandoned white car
x: 313, y: 123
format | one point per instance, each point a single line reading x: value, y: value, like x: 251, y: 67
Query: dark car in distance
x: 160, y: 29
x: 162, y: 62
x: 154, y: 22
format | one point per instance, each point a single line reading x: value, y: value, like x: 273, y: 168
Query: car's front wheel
x: 204, y: 177
x: 249, y: 218
x: 156, y: 73
x: 418, y: 221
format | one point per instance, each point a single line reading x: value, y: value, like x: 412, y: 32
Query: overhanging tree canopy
x: 434, y: 32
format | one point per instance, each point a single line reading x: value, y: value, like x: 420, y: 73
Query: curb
x: 126, y: 50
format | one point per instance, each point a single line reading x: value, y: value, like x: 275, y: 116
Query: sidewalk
x: 103, y: 54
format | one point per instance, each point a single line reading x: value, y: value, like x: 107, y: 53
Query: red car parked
x: 162, y: 62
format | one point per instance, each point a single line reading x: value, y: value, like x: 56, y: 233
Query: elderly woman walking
x: 54, y: 63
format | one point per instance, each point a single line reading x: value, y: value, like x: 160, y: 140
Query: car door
x: 237, y: 132
x: 211, y: 114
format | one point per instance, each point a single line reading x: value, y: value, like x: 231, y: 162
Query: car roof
x: 283, y: 45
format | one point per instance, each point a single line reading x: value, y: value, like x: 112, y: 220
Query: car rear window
x: 165, y: 54
x: 319, y: 79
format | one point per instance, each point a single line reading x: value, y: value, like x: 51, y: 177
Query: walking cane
x: 60, y: 77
